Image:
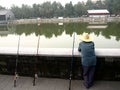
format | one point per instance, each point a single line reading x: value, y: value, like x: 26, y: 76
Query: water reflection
x: 48, y: 30
x: 53, y: 35
x: 6, y: 29
x: 97, y: 26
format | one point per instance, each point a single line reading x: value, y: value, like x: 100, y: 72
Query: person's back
x: 88, y: 53
x: 86, y: 47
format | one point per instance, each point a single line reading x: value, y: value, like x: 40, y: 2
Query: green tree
x: 58, y: 9
x: 113, y: 6
x: 36, y: 10
x: 99, y: 5
x: 46, y: 9
x: 17, y: 11
x: 26, y: 11
x: 89, y: 4
x: 80, y: 9
x: 55, y: 9
x: 69, y: 10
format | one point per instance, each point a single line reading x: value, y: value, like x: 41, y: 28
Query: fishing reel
x: 15, y: 78
x: 35, y: 77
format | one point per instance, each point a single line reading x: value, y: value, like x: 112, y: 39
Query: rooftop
x: 4, y: 11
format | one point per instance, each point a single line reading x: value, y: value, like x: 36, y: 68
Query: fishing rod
x: 16, y: 64
x: 71, y: 66
x: 35, y: 72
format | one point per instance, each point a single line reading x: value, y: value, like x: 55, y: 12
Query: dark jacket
x: 87, y: 53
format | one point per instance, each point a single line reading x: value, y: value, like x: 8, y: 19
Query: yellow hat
x: 85, y: 37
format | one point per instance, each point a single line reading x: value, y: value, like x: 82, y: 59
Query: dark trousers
x: 88, y: 75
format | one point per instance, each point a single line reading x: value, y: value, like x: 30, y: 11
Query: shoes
x: 87, y: 86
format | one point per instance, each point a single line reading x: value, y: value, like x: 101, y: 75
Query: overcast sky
x: 9, y: 3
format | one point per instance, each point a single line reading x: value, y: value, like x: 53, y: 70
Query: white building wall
x: 99, y: 16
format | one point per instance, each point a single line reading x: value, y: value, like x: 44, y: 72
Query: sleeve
x: 79, y: 48
x: 93, y: 45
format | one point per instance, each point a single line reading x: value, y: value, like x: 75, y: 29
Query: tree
x: 113, y: 6
x: 89, y: 4
x: 117, y: 6
x: 36, y: 10
x: 17, y: 11
x: 80, y: 9
x: 26, y: 11
x: 69, y: 10
x: 58, y: 9
x: 46, y: 9
x: 99, y: 5
x: 2, y: 7
x: 55, y: 9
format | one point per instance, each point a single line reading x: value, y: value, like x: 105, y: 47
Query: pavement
x: 25, y: 83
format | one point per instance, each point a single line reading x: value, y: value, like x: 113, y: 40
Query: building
x: 94, y: 1
x: 6, y: 15
x: 98, y: 13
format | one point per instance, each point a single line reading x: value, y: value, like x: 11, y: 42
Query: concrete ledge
x: 58, y: 52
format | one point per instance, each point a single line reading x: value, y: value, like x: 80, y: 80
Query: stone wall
x: 108, y: 68
x: 68, y: 20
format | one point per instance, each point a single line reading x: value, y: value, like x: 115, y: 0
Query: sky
x: 9, y: 3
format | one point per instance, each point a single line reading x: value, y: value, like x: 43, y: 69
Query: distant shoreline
x: 68, y: 20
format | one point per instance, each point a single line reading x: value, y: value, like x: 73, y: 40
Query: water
x: 55, y: 36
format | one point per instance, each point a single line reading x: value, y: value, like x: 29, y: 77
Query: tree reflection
x: 48, y: 30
